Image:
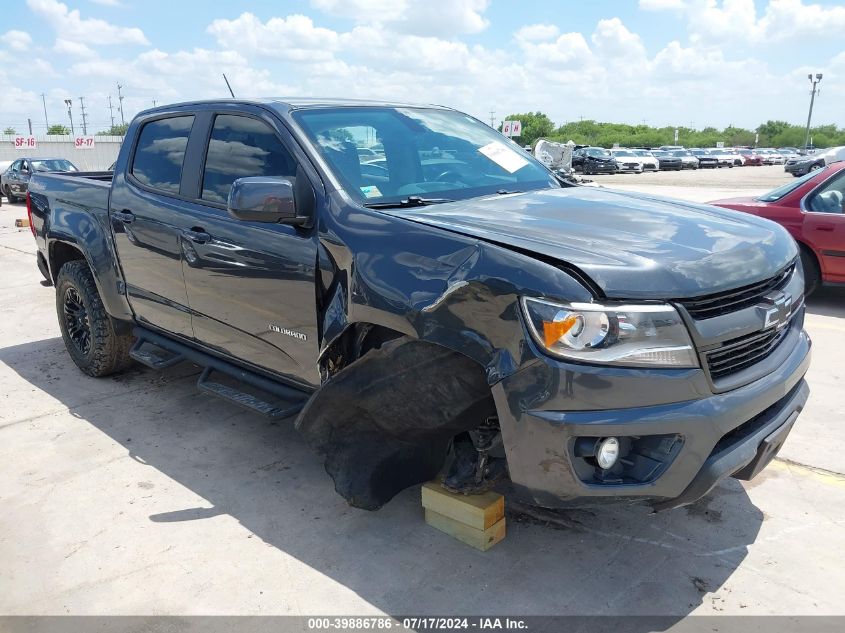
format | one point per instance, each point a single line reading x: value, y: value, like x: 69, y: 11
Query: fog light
x: 608, y: 452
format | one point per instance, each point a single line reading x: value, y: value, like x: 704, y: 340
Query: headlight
x: 630, y: 335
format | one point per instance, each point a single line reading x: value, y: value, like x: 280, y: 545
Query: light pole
x: 815, y: 82
x: 69, y: 104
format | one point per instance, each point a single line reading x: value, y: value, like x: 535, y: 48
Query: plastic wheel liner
x: 385, y: 422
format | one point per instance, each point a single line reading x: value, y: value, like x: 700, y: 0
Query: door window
x: 830, y: 198
x: 161, y: 151
x: 240, y: 147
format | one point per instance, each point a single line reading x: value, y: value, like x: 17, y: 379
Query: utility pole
x: 84, y: 116
x: 44, y: 101
x: 815, y: 82
x: 29, y: 122
x: 154, y: 103
x: 69, y: 104
x: 111, y: 112
x: 120, y: 104
x: 493, y: 119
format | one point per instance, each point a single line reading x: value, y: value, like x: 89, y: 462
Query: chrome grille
x: 732, y: 300
x: 740, y: 353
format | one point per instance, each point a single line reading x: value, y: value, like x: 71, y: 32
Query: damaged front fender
x: 384, y: 422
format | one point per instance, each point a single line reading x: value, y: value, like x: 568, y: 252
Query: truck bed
x: 88, y: 189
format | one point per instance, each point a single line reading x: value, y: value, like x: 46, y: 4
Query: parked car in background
x: 812, y: 209
x: 688, y: 159
x: 802, y: 165
x: 668, y: 161
x: 366, y: 154
x: 650, y: 163
x: 771, y: 156
x: 752, y: 158
x: 627, y: 161
x: 594, y: 160
x: 739, y: 158
x: 724, y: 158
x: 832, y: 154
x: 788, y: 153
x: 16, y: 178
x: 705, y: 158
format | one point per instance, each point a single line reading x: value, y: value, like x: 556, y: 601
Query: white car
x: 833, y: 154
x: 771, y: 156
x: 788, y: 153
x: 627, y: 161
x: 725, y: 159
x: 649, y: 161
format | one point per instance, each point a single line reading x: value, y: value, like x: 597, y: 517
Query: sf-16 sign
x: 24, y: 142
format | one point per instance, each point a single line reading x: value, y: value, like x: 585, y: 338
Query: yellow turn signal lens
x: 553, y: 330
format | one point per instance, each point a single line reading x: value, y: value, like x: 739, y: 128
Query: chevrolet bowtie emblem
x: 777, y: 311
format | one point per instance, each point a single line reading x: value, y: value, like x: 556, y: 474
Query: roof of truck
x: 295, y: 103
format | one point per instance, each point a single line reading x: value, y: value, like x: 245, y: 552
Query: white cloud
x: 782, y: 20
x: 17, y: 40
x: 363, y: 10
x: 74, y: 49
x: 295, y: 37
x: 615, y: 42
x: 433, y: 18
x: 537, y: 33
x: 71, y: 26
x: 108, y: 3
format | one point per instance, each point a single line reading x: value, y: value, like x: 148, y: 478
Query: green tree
x: 58, y: 130
x: 535, y: 125
x: 115, y: 130
x: 10, y: 130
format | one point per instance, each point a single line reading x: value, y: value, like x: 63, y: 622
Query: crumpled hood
x: 632, y: 245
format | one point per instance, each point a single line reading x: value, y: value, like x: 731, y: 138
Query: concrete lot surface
x: 136, y: 495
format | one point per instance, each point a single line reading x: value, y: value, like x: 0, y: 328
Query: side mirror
x: 264, y: 199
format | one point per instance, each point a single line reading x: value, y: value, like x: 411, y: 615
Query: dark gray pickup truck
x: 441, y: 300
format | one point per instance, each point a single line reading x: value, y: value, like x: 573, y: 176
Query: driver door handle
x: 197, y: 235
x: 125, y: 216
x: 824, y: 227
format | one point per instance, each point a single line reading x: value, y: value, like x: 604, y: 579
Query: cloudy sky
x: 665, y: 62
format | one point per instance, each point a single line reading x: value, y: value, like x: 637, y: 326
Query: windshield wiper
x: 410, y: 201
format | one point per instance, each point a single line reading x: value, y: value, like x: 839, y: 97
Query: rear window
x: 161, y: 151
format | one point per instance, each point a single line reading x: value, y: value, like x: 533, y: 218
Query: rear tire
x: 87, y: 329
x: 812, y: 274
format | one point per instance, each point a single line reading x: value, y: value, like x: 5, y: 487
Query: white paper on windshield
x: 503, y: 156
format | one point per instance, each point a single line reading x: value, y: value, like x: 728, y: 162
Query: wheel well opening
x: 60, y: 254
x: 386, y: 420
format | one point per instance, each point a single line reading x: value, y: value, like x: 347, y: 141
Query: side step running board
x: 158, y: 352
x: 153, y: 356
x: 245, y: 400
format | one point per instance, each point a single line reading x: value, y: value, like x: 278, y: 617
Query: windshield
x: 623, y: 152
x: 53, y: 164
x: 439, y: 154
x: 681, y: 153
x: 780, y: 192
x: 642, y: 152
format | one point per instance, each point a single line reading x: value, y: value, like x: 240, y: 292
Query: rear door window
x: 240, y: 147
x: 161, y: 151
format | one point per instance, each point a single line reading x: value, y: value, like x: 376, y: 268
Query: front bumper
x: 691, y: 437
x: 797, y: 169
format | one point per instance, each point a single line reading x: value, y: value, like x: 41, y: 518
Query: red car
x: 812, y: 209
x: 751, y: 157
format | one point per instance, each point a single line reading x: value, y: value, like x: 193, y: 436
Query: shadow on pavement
x: 827, y: 301
x: 604, y: 560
